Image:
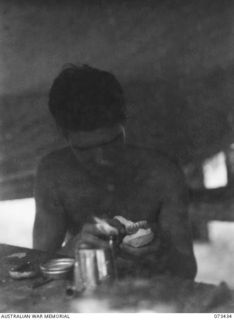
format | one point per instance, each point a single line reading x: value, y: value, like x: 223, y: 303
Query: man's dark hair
x: 85, y: 98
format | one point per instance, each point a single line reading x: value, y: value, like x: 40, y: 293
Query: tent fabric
x: 173, y: 59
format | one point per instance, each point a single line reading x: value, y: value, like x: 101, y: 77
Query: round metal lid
x: 57, y: 265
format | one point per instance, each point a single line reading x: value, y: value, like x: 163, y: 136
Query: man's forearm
x: 175, y: 261
x: 181, y: 264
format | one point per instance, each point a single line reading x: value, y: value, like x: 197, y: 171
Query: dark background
x: 175, y: 60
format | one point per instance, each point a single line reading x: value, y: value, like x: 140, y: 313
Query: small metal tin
x: 57, y: 268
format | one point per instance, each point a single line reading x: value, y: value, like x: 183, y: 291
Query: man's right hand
x: 96, y: 235
x: 91, y: 235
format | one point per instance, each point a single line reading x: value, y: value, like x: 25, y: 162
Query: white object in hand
x: 137, y: 236
x: 139, y: 239
x: 105, y: 227
x: 134, y: 227
x: 131, y: 227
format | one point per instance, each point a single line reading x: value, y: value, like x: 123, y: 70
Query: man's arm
x: 175, y: 232
x: 50, y: 222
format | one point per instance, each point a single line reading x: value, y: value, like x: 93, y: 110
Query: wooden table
x: 157, y: 294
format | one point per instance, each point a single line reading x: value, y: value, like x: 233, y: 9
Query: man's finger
x: 91, y: 228
x: 94, y: 241
x: 117, y: 224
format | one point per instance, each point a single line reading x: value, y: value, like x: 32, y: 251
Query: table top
x: 157, y: 294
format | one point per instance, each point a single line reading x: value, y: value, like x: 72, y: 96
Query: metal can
x: 92, y: 266
x: 88, y: 268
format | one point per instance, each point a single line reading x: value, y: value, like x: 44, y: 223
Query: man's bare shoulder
x: 54, y: 161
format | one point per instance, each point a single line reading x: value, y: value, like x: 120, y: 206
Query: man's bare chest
x: 127, y: 194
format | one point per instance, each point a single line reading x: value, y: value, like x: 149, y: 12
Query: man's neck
x: 99, y: 143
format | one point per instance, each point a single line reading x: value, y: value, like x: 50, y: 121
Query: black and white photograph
x: 116, y: 157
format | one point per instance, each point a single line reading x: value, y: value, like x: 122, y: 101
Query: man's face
x: 95, y: 137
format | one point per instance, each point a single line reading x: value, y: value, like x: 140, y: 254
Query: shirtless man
x: 98, y: 174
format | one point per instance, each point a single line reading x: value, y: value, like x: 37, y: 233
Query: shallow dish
x: 57, y: 268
